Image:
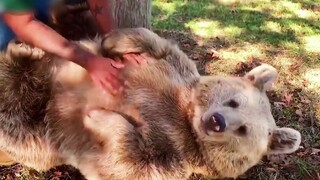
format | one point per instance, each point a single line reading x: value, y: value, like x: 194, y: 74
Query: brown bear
x: 169, y: 122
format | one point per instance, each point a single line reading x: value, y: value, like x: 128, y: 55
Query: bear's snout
x: 215, y: 123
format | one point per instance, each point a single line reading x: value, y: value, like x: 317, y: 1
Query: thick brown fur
x: 154, y: 130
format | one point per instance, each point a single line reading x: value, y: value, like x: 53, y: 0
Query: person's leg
x: 6, y: 35
x: 74, y: 2
x: 42, y: 10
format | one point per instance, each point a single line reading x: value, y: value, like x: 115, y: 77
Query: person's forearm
x: 102, y: 11
x: 40, y: 35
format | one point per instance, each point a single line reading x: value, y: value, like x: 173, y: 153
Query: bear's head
x: 233, y: 120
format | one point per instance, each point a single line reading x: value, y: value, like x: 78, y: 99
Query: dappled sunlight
x: 306, y: 14
x: 288, y: 5
x: 282, y: 8
x: 232, y: 30
x: 203, y: 28
x: 243, y: 53
x: 301, y: 29
x: 289, y: 45
x: 313, y: 77
x: 231, y: 2
x: 167, y: 7
x: 312, y: 44
x: 283, y: 62
x: 210, y: 29
x: 271, y: 26
x: 295, y: 27
x: 230, y: 57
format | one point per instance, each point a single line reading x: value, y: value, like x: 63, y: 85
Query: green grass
x: 286, y: 25
x: 281, y: 32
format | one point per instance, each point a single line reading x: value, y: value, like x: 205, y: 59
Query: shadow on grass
x: 251, y: 24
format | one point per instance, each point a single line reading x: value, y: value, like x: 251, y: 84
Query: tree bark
x: 132, y: 13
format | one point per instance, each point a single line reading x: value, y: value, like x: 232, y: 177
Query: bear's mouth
x: 216, y: 123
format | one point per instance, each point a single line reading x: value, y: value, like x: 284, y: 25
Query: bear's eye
x: 242, y: 130
x: 232, y: 103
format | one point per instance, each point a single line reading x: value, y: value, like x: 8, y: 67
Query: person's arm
x: 32, y: 31
x: 101, y: 10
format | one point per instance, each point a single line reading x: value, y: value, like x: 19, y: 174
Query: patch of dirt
x: 203, y: 54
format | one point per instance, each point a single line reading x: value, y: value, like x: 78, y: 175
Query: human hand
x: 135, y: 59
x: 105, y: 73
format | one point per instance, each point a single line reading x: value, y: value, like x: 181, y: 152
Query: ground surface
x: 226, y: 37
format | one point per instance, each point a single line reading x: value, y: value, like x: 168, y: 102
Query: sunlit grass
x: 303, y: 13
x: 312, y: 44
x: 236, y: 54
x: 313, y: 76
x: 168, y: 7
x: 252, y: 28
x: 271, y: 26
x: 283, y: 24
x: 209, y: 29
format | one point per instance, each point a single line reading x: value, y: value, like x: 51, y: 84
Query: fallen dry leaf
x: 282, y: 160
x: 301, y: 154
x: 305, y: 82
x: 195, y: 56
x: 305, y: 100
x: 9, y: 177
x: 17, y: 174
x: 186, y: 45
x: 315, y: 151
x: 279, y: 105
x: 270, y: 169
x: 315, y: 7
x: 295, y: 66
x: 287, y: 98
x: 214, y: 54
x: 299, y: 112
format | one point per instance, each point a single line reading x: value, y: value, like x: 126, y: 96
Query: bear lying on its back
x: 169, y: 123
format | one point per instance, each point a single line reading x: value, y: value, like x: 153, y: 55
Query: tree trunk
x: 132, y: 13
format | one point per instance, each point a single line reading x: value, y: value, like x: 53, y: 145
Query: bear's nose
x: 216, y: 123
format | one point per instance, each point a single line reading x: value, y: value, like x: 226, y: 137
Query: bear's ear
x: 262, y: 76
x: 284, y: 141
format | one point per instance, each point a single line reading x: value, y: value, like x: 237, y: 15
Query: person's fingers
x: 115, y: 83
x: 131, y: 59
x: 117, y: 65
x: 96, y: 81
x: 140, y: 59
x: 137, y: 59
x: 145, y: 57
x: 113, y: 71
x: 108, y: 85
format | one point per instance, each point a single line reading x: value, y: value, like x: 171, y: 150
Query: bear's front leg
x: 105, y: 158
